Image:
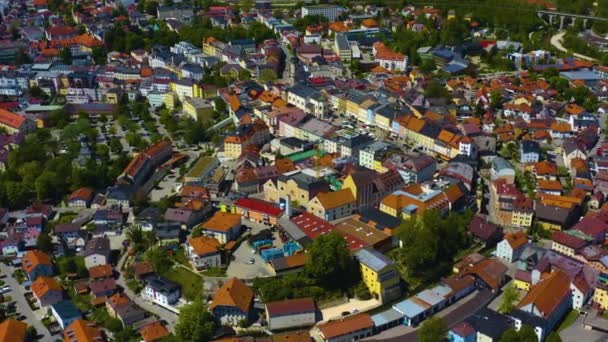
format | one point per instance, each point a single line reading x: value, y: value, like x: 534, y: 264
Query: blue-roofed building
x: 387, y: 319
x: 413, y: 310
x: 65, y: 312
x: 379, y: 274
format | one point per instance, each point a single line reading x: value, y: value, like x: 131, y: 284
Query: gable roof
x: 233, y: 293
x: 101, y: 271
x: 12, y: 330
x: 33, y: 259
x: 82, y: 330
x: 43, y: 285
x: 11, y: 119
x: 290, y: 307
x: 335, y: 199
x: 153, y: 331
x: 546, y: 295
x: 204, y: 245
x: 222, y: 221
x: 346, y: 325
x: 517, y: 239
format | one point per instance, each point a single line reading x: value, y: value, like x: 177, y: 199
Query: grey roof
x: 342, y: 42
x: 161, y: 284
x: 100, y: 245
x: 490, y: 323
x: 305, y: 91
x: 305, y: 181
x: 499, y: 164
x: 373, y: 259
x: 66, y: 310
x: 530, y: 146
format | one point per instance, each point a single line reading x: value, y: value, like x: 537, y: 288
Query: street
x: 32, y: 318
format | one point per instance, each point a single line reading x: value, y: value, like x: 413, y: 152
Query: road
x: 556, y: 41
x: 163, y: 314
x: 23, y: 307
x: 453, y: 315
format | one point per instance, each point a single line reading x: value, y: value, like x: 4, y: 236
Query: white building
x: 161, y: 291
x: 308, y: 99
x: 291, y: 313
x: 203, y: 252
x: 510, y: 248
x: 331, y: 12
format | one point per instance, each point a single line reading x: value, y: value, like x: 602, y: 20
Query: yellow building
x: 185, y: 88
x: 522, y: 280
x: 300, y: 187
x: 332, y: 205
x: 522, y: 218
x: 379, y: 274
x: 600, y: 297
x: 198, y: 109
x: 170, y: 100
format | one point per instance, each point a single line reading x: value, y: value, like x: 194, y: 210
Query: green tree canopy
x: 433, y: 329
x: 329, y: 260
x: 195, y: 323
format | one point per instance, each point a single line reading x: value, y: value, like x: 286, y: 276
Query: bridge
x: 563, y: 16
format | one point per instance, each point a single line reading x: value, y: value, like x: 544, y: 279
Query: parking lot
x: 241, y: 267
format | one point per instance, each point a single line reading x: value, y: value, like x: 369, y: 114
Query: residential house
x: 82, y: 330
x: 369, y: 187
x: 254, y: 135
x: 96, y: 252
x: 161, y: 290
x: 529, y: 151
x: 121, y: 307
x: 600, y: 296
x: 257, y: 210
x: 153, y: 332
x: 223, y: 226
x: 462, y: 332
x: 489, y: 325
x: 101, y: 288
x: 148, y: 218
x: 483, y: 230
x: 291, y: 313
x: 15, y: 123
x: 416, y: 198
x: 168, y: 232
x: 47, y: 291
x: 557, y: 212
x: 308, y: 99
x: 203, y: 252
x: 13, y: 330
x: 502, y: 169
x: 545, y: 304
x: 71, y: 234
x: 350, y: 328
x: 232, y: 303
x: 299, y: 187
x: 511, y: 247
x: 65, y: 312
x: 379, y: 274
x: 80, y: 198
x: 572, y: 149
x: 332, y: 205
x: 36, y: 263
x: 567, y: 243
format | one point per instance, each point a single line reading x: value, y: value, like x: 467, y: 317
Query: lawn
x: 191, y: 283
x: 66, y: 218
x: 180, y: 257
x: 215, y: 272
x: 569, y: 320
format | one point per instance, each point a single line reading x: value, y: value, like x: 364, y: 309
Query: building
x: 502, y: 169
x: 351, y: 328
x: 258, y: 210
x: 36, y: 263
x: 557, y: 212
x: 369, y: 187
x: 153, y: 332
x: 12, y: 330
x: 545, y: 304
x: 161, y: 291
x: 379, y: 274
x: 82, y: 330
x: 332, y: 205
x: 80, y: 198
x: 223, y: 226
x: 96, y: 252
x: 308, y: 99
x: 15, y: 123
x: 529, y: 151
x: 298, y: 186
x: 462, y: 332
x: 567, y: 243
x: 203, y: 252
x: 47, y: 291
x: 291, y: 313
x: 198, y: 109
x: 511, y: 247
x: 415, y: 199
x: 342, y: 47
x: 254, y: 135
x: 388, y: 58
x: 232, y: 303
x: 331, y: 12
x: 122, y: 307
x: 65, y: 312
x: 600, y: 296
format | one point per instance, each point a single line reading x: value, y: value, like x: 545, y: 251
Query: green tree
x: 159, y: 259
x: 44, y: 243
x: 267, y: 75
x: 553, y: 337
x: 433, y: 329
x: 195, y: 323
x: 127, y: 334
x: 66, y: 56
x: 525, y: 334
x: 436, y: 89
x: 509, y: 297
x: 329, y: 261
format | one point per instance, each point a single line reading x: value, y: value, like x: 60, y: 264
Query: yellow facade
x: 522, y: 219
x: 600, y: 297
x: 372, y: 278
x: 112, y: 97
x: 169, y: 100
x: 388, y: 210
x: 522, y: 285
x: 379, y: 167
x: 548, y: 225
x: 232, y: 150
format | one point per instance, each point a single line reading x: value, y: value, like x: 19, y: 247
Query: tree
x: 267, y: 75
x: 435, y: 89
x: 126, y: 335
x: 553, y: 337
x: 66, y: 55
x: 31, y: 334
x: 159, y: 259
x: 44, y: 243
x: 509, y: 296
x: 525, y: 334
x: 329, y: 261
x: 433, y: 329
x: 195, y: 323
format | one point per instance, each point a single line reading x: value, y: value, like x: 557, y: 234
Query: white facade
x: 159, y: 297
x: 291, y: 321
x: 95, y: 260
x: 330, y: 12
x: 504, y: 251
x: 204, y: 261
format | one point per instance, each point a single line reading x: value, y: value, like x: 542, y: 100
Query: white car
x: 5, y: 289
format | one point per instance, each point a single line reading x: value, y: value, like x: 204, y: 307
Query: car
x: 345, y: 313
x: 21, y: 318
x: 251, y: 261
x: 5, y: 289
x: 253, y: 251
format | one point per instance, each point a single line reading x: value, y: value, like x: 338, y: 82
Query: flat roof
x: 435, y: 295
x: 362, y: 231
x: 386, y: 317
x: 201, y: 165
x: 410, y: 307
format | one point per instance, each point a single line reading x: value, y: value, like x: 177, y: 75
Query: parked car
x: 251, y: 261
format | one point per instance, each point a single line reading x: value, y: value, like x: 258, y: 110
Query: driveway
x: 163, y: 314
x: 23, y: 307
x: 239, y: 266
x: 352, y: 306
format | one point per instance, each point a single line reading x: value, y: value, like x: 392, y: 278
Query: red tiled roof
x: 568, y: 240
x: 33, y: 258
x: 259, y: 206
x: 11, y: 119
x: 290, y: 307
x: 346, y: 325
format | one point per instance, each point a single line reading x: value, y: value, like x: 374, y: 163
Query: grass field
x: 190, y: 282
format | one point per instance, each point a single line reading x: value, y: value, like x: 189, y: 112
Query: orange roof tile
x: 234, y: 293
x: 101, y: 271
x: 517, y: 239
x: 346, y: 325
x: 204, y: 245
x: 42, y: 285
x: 335, y: 199
x: 550, y: 185
x: 153, y: 332
x: 82, y: 193
x: 12, y: 331
x: 222, y: 221
x: 546, y: 295
x: 11, y: 119
x: 82, y: 331
x: 33, y: 258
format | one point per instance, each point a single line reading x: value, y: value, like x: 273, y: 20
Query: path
x: 163, y: 314
x: 23, y: 307
x: 556, y: 41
